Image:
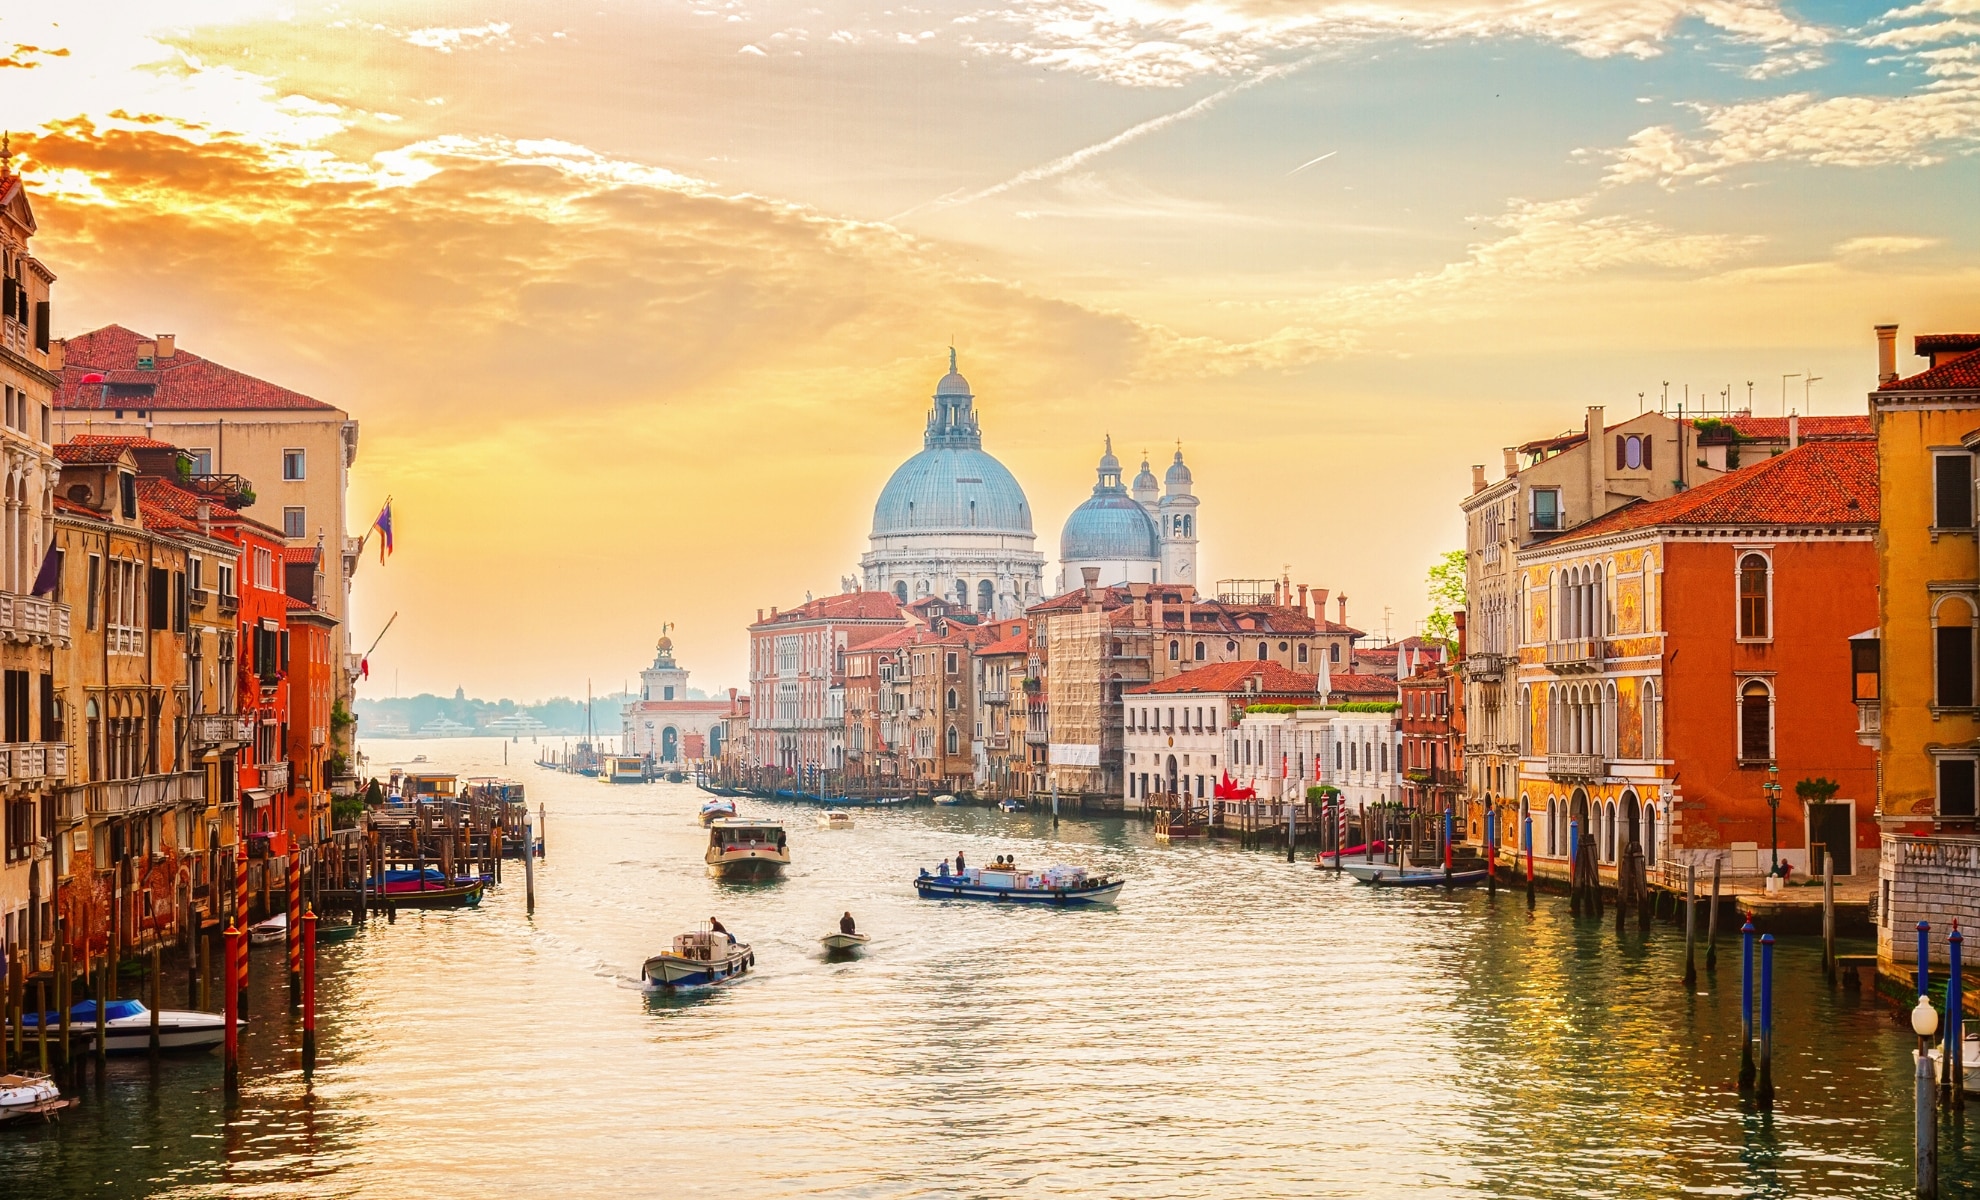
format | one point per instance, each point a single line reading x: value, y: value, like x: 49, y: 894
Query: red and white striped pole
x: 309, y: 992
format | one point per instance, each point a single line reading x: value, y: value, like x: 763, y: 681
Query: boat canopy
x: 84, y: 1013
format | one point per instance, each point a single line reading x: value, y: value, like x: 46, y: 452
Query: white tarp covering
x: 1074, y: 754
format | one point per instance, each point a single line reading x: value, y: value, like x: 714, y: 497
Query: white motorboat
x: 746, y: 848
x: 1969, y: 1062
x: 127, y: 1027
x: 1012, y: 806
x: 946, y: 800
x: 716, y: 809
x: 843, y: 943
x: 835, y: 818
x: 274, y: 929
x: 24, y: 1092
x: 701, y: 958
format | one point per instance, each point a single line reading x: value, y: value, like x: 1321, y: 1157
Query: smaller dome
x: 1108, y: 463
x: 1177, y: 473
x: 665, y: 645
x: 1145, y: 482
x: 1109, y: 527
x: 953, y: 384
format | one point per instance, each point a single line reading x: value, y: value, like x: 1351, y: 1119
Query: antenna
x: 1784, y: 379
x: 1807, y: 385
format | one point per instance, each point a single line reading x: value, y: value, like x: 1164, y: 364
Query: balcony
x: 33, y: 620
x: 274, y: 776
x: 120, y: 797
x: 1576, y: 768
x: 1869, y: 723
x: 1484, y: 665
x: 1575, y: 656
x: 1037, y: 737
x: 998, y: 741
x: 996, y: 696
x: 23, y: 763
x: 221, y: 731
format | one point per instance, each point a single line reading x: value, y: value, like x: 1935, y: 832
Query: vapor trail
x: 1309, y: 162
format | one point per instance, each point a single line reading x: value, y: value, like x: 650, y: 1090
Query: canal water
x: 1237, y: 1027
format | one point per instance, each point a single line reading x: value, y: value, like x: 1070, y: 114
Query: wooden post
x: 41, y: 1017
x: 1639, y: 872
x: 529, y: 868
x: 62, y: 986
x: 105, y: 992
x: 1828, y: 914
x: 232, y: 1051
x: 156, y: 998
x: 309, y: 993
x: 293, y: 889
x: 1712, y: 919
x: 205, y: 991
x: 543, y: 830
x: 1690, y: 922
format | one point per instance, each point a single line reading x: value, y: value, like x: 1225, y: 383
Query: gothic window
x: 954, y: 742
x: 1175, y: 650
x: 952, y: 699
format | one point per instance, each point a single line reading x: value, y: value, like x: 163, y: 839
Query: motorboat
x: 844, y: 943
x: 744, y: 848
x: 428, y: 888
x: 127, y: 1027
x: 835, y: 818
x: 1011, y: 806
x: 330, y: 933
x: 1005, y: 883
x: 274, y: 929
x: 624, y: 768
x: 1390, y: 875
x: 946, y: 800
x: 700, y: 958
x: 717, y: 809
x: 1969, y: 1062
x: 29, y: 1093
x: 1324, y: 861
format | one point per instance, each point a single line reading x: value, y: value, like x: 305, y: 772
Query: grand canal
x: 1238, y: 1027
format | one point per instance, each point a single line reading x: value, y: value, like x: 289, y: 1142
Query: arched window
x: 1609, y: 830
x: 1334, y: 652
x: 1337, y: 756
x: 1199, y: 652
x: 952, y: 699
x: 954, y: 742
x: 1651, y: 739
x: 93, y: 722
x: 1261, y: 652
x: 1526, y: 720
x: 900, y: 590
x: 1650, y: 835
x: 962, y: 593
x: 1753, y: 605
x: 986, y: 593
x: 1952, y: 644
x: 1756, y: 722
x: 1175, y: 650
x: 1302, y: 652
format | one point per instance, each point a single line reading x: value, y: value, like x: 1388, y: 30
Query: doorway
x: 1832, y: 825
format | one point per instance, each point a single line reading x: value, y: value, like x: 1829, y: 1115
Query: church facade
x: 664, y: 725
x: 952, y: 521
x: 1147, y: 535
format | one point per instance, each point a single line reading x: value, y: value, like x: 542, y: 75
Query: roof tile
x: 183, y: 381
x: 1817, y: 484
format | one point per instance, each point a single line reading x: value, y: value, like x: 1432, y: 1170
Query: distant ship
x: 386, y: 726
x: 512, y: 724
x: 444, y: 727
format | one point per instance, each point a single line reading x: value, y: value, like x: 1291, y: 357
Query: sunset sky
x: 639, y: 305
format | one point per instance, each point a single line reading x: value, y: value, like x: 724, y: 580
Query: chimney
x: 759, y: 616
x: 1276, y: 598
x: 1343, y: 603
x: 1477, y: 478
x: 1457, y: 616
x: 205, y: 511
x: 1303, y: 610
x: 1886, y: 354
x: 1598, y: 465
x: 1091, y: 575
x: 148, y: 350
x: 1189, y: 611
x: 1512, y: 462
x: 1794, y: 430
x: 1155, y: 609
x: 167, y: 345
x: 58, y: 354
x: 1319, y: 604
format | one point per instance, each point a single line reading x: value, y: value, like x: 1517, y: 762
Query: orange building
x: 1683, y: 658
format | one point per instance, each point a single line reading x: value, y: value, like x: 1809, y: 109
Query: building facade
x: 1174, y: 729
x: 665, y: 725
x: 797, y: 676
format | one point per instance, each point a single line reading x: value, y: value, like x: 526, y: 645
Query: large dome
x: 951, y: 487
x: 1109, y: 527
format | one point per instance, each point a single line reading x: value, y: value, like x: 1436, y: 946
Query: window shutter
x: 1956, y: 787
x: 1955, y: 645
x: 41, y: 326
x: 1620, y: 461
x: 1648, y: 442
x: 1954, y: 476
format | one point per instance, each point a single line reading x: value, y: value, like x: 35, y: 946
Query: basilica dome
x: 951, y: 488
x: 1111, y: 525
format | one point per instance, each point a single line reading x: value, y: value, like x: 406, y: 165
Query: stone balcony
x: 1869, y: 723
x: 1576, y: 768
x: 275, y: 776
x: 221, y: 731
x: 32, y: 620
x: 1484, y: 666
x: 1575, y: 656
x: 27, y: 764
x: 996, y: 696
x: 120, y: 797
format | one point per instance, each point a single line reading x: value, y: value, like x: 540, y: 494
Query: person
x: 945, y: 868
x: 959, y: 862
x: 846, y: 924
x: 716, y: 926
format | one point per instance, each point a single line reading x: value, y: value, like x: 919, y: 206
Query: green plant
x: 1366, y: 706
x: 344, y: 811
x: 1817, y: 790
x: 1322, y: 791
x: 336, y: 766
x: 340, y: 716
x: 1447, y: 596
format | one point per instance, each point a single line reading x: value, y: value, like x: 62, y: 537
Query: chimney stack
x: 1512, y: 462
x: 1477, y: 478
x: 1598, y: 465
x: 1319, y: 604
x: 167, y: 345
x: 759, y: 616
x: 1886, y: 354
x: 1091, y: 576
x: 1343, y: 603
x: 1302, y: 600
x: 1794, y: 430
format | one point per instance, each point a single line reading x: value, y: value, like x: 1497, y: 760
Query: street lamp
x: 1773, y: 789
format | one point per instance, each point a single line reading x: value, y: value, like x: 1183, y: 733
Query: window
x: 1546, y: 513
x: 1955, y: 787
x: 226, y: 572
x: 1632, y: 452
x: 1261, y: 652
x: 1753, y: 604
x: 1175, y: 650
x: 202, y: 460
x: 953, y: 741
x: 986, y: 593
x: 1199, y: 652
x: 127, y: 488
x: 900, y: 590
x: 1334, y: 652
x: 1953, y: 638
x: 1756, y: 723
x: 952, y: 699
x: 1952, y: 477
x: 292, y: 464
x: 293, y: 523
x: 1302, y: 652
x: 1650, y: 720
x: 952, y: 662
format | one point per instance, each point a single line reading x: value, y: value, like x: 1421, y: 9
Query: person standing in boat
x: 959, y: 862
x: 846, y: 924
x: 716, y: 926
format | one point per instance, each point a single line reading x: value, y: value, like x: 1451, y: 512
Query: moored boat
x: 835, y: 818
x: 1011, y: 806
x: 624, y: 768
x: 429, y: 888
x: 946, y: 800
x: 1325, y: 859
x: 1969, y: 1062
x: 746, y: 848
x: 700, y: 958
x: 1004, y: 883
x: 1381, y: 874
x: 274, y: 929
x: 127, y: 1027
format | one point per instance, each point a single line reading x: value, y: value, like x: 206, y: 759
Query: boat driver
x: 846, y: 924
x: 716, y: 926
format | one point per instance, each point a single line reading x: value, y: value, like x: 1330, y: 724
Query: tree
x: 1447, y: 596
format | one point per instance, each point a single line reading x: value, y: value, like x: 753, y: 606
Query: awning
x: 259, y: 797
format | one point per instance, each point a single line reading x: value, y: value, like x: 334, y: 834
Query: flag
x: 383, y: 524
x: 364, y: 668
x: 50, y: 573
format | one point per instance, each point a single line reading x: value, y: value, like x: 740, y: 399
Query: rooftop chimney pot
x: 1477, y: 478
x: 167, y: 345
x: 1886, y: 354
x: 1512, y: 462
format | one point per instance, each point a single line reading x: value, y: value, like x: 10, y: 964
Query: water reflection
x: 1238, y: 1027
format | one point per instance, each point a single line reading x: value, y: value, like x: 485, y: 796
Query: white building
x: 1175, y: 729
x: 1282, y: 754
x: 1147, y: 536
x: 664, y: 724
x: 952, y: 521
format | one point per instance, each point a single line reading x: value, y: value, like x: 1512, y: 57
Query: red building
x: 1429, y: 702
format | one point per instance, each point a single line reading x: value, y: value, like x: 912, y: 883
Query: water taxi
x: 274, y: 929
x: 746, y: 848
x: 946, y: 800
x: 1003, y: 882
x: 716, y: 809
x: 127, y: 1027
x: 835, y: 818
x: 700, y: 958
x: 624, y: 768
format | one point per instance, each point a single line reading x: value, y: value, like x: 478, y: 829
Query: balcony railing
x: 34, y: 620
x: 1037, y: 737
x: 1576, y: 768
x: 275, y: 776
x: 1484, y: 665
x: 996, y: 696
x: 34, y: 762
x: 1869, y: 722
x: 121, y: 796
x: 1575, y: 655
x: 217, y: 731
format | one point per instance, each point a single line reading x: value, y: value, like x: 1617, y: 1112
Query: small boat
x: 426, y: 889
x: 717, y: 809
x: 745, y: 848
x: 844, y: 943
x: 945, y: 800
x: 1381, y: 874
x: 1969, y: 1062
x: 1012, y: 806
x: 127, y: 1027
x: 274, y: 929
x: 1325, y: 859
x: 30, y: 1094
x: 700, y: 958
x: 624, y: 769
x: 1054, y: 885
x: 330, y: 933
x: 835, y: 818
x: 419, y: 758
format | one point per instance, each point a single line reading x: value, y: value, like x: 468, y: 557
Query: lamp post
x: 1773, y: 789
x: 1925, y: 1131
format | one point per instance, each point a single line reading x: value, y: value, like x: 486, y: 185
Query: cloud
x: 447, y: 39
x: 1884, y: 244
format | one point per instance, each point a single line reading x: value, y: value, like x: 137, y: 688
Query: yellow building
x: 1915, y: 683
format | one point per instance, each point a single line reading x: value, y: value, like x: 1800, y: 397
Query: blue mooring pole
x: 1746, y: 1073
x: 1574, y: 865
x: 1924, y: 958
x: 1953, y: 1050
x: 1527, y: 833
x: 1764, y: 1094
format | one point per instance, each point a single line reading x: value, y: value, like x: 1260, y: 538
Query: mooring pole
x: 1527, y: 834
x: 155, y: 997
x: 1764, y: 1094
x: 1924, y: 958
x: 1828, y: 914
x: 309, y: 992
x: 529, y: 868
x: 1574, y: 868
x: 1690, y: 922
x: 1712, y: 920
x: 1925, y: 1125
x: 232, y: 1072
x: 1953, y: 1045
x: 1746, y: 1073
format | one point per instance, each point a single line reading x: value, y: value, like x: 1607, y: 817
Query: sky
x: 639, y: 303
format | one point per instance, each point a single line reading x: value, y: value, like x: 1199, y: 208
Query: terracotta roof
x: 301, y: 554
x: 183, y: 381
x: 1231, y: 677
x: 129, y: 443
x: 1775, y: 429
x: 884, y: 639
x: 1017, y: 643
x: 1925, y: 345
x: 90, y: 453
x: 65, y: 505
x: 845, y: 606
x: 1347, y: 683
x: 1955, y: 375
x: 1817, y: 484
